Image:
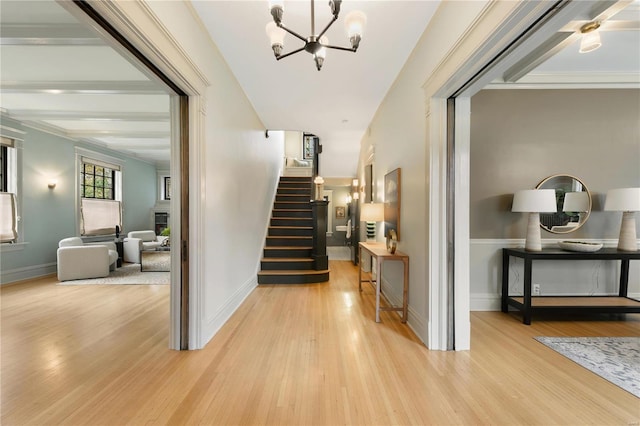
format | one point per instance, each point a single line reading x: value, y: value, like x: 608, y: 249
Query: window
x: 100, y: 195
x: 97, y: 181
x: 9, y: 218
x: 4, y: 181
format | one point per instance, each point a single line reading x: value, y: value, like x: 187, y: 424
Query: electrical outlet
x: 535, y: 291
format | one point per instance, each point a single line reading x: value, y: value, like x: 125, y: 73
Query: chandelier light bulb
x: 354, y: 23
x: 276, y: 7
x: 276, y: 36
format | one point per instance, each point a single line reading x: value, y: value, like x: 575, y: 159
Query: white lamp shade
x: 535, y: 200
x: 275, y: 33
x: 576, y: 202
x: 372, y: 212
x: 590, y: 42
x: 355, y: 22
x: 623, y: 200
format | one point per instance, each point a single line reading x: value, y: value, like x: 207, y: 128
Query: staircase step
x: 300, y: 198
x: 286, y: 252
x: 286, y: 263
x: 295, y: 191
x: 301, y: 231
x: 295, y: 179
x: 292, y: 221
x: 306, y: 185
x: 293, y: 277
x: 302, y: 213
x: 291, y: 241
x: 294, y: 205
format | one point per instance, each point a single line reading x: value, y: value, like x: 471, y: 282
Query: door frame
x: 137, y: 26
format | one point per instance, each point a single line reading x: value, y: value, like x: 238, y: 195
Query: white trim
x: 214, y: 322
x: 462, y: 160
x: 27, y: 273
x: 499, y: 24
x: 139, y: 25
x: 414, y: 320
x: 437, y: 244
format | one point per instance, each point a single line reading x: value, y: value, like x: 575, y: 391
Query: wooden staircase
x: 288, y: 250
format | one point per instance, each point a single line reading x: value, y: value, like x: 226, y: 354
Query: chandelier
x: 316, y: 44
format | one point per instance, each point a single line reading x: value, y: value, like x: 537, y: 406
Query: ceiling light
x: 316, y: 44
x: 590, y: 37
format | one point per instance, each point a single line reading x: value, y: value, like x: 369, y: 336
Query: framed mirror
x: 574, y: 204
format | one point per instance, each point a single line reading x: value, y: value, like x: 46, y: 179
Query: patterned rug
x: 616, y: 359
x: 128, y: 274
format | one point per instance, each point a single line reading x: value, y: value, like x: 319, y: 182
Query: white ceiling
x: 57, y: 73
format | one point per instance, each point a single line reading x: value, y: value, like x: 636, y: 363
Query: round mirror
x: 574, y: 204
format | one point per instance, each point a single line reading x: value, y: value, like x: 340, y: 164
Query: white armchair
x: 78, y: 260
x: 137, y: 241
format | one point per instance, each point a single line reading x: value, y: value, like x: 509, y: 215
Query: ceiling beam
x: 48, y: 35
x: 135, y: 87
x: 142, y: 134
x: 25, y: 114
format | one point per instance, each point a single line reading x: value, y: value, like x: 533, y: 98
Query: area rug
x: 158, y: 261
x: 616, y: 359
x: 128, y: 274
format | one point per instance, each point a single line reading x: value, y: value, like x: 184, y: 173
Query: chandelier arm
x: 348, y: 49
x: 290, y: 53
x: 334, y: 19
x: 293, y: 33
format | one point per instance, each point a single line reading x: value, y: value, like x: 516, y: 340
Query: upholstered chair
x: 137, y: 241
x: 79, y: 260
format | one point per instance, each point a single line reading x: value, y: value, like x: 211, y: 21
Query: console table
x: 379, y: 252
x: 567, y: 304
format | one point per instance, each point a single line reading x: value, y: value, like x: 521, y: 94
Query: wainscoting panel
x: 580, y: 277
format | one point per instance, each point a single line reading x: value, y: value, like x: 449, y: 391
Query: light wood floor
x: 291, y: 355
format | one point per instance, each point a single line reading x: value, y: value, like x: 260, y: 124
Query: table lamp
x: 576, y: 202
x: 371, y: 212
x: 626, y: 200
x: 534, y: 202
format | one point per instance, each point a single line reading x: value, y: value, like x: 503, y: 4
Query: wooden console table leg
x: 360, y: 269
x: 526, y: 315
x: 624, y: 278
x: 505, y: 281
x: 378, y: 289
x: 405, y: 292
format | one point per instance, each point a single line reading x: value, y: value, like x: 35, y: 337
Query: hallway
x: 289, y: 355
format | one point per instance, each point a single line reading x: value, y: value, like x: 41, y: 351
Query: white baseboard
x: 415, y: 322
x: 485, y: 302
x: 27, y: 273
x: 219, y: 318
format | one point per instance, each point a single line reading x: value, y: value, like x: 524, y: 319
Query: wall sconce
x: 349, y: 199
x: 590, y: 37
x: 356, y: 196
x: 52, y: 183
x: 355, y: 183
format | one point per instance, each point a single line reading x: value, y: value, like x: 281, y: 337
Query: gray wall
x: 49, y: 215
x: 519, y: 137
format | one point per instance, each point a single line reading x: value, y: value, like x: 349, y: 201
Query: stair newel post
x: 319, y: 209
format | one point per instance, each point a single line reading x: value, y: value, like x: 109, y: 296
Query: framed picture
x: 392, y: 196
x: 308, y: 146
x: 167, y: 188
x: 340, y: 211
